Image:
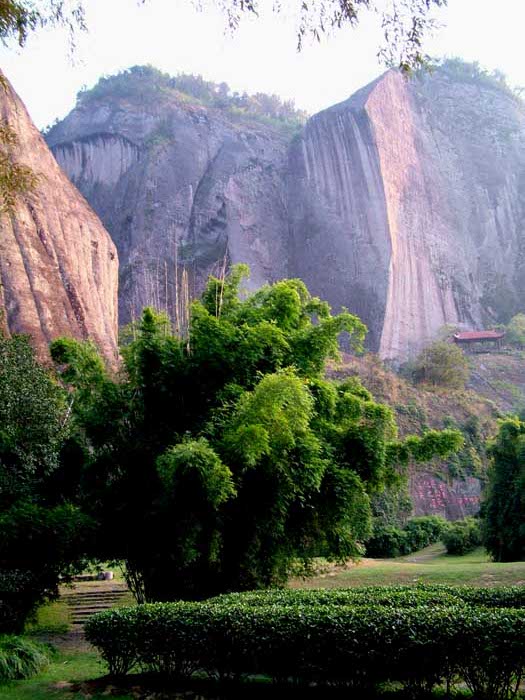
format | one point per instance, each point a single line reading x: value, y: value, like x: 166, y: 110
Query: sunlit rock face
x: 58, y: 265
x: 407, y: 207
x: 403, y: 204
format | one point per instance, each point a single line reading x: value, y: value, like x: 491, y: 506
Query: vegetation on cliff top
x: 146, y: 84
x: 472, y: 72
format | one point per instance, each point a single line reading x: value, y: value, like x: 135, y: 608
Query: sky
x: 261, y: 55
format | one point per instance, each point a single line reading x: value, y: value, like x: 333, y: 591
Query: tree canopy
x: 404, y: 23
x: 20, y: 18
x: 504, y: 507
x: 220, y: 460
x: 32, y: 409
x: 146, y: 84
x: 42, y: 535
x: 515, y: 332
x: 441, y: 364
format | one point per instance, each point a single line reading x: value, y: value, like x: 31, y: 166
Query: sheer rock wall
x: 58, y: 265
x: 403, y: 204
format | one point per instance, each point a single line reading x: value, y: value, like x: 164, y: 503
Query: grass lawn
x: 53, y: 618
x: 430, y: 565
x: 74, y: 666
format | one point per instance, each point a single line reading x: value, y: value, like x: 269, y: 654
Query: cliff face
x: 58, y: 266
x: 178, y: 185
x: 403, y: 203
x: 414, y: 213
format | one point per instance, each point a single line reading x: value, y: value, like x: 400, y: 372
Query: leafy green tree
x: 504, y: 506
x: 32, y: 412
x: 42, y: 536
x: 20, y: 18
x: 218, y: 461
x: 516, y: 331
x: 442, y: 364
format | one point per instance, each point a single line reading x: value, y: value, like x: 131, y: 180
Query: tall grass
x: 21, y: 658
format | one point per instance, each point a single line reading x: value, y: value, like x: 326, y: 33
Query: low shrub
x: 391, y: 541
x: 358, y: 638
x: 396, y: 596
x: 462, y: 536
x: 424, y: 531
x: 501, y: 597
x: 386, y: 596
x: 490, y: 652
x: 388, y: 541
x: 21, y: 658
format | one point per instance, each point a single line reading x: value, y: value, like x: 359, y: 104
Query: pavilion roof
x: 479, y: 335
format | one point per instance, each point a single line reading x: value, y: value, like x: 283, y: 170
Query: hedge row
x: 390, y: 596
x: 353, y: 645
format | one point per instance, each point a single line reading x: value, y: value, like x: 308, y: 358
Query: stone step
x: 108, y: 596
x: 90, y: 608
x: 79, y: 614
x: 98, y: 599
x: 95, y: 594
x: 99, y: 591
x: 85, y: 603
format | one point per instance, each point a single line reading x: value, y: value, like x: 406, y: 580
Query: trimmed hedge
x: 392, y: 596
x: 357, y: 638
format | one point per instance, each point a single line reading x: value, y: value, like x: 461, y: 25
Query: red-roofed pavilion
x: 469, y: 337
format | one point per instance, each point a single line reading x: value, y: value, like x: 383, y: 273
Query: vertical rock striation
x: 178, y: 186
x: 404, y: 203
x: 406, y: 207
x: 58, y: 266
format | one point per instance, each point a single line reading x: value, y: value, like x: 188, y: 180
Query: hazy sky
x: 261, y: 56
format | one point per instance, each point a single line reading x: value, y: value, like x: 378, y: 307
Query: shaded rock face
x: 178, y: 186
x: 403, y: 203
x: 58, y: 265
x: 453, y: 501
